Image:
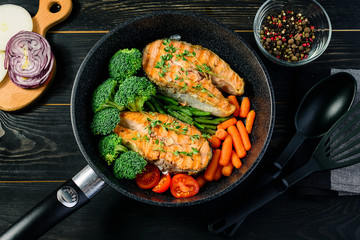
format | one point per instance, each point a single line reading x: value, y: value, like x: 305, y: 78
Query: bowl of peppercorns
x: 292, y: 32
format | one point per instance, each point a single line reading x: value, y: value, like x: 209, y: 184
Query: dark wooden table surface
x: 38, y: 150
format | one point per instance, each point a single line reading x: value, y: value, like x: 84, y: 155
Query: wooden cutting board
x: 12, y: 97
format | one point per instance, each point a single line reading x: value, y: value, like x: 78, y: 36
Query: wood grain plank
x: 313, y: 218
x: 112, y: 216
x: 38, y: 150
x: 38, y: 145
x: 70, y: 50
x: 237, y: 14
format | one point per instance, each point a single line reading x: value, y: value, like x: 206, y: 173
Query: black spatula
x: 338, y: 148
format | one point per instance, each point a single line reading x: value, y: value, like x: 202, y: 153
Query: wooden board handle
x: 45, y: 18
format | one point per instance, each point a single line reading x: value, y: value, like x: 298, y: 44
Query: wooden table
x: 38, y: 150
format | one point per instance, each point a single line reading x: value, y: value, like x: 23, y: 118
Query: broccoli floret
x: 110, y: 147
x: 128, y: 165
x: 134, y: 92
x: 124, y: 63
x: 105, y: 121
x: 103, y: 96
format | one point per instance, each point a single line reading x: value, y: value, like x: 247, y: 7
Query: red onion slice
x: 29, y: 59
x: 33, y: 82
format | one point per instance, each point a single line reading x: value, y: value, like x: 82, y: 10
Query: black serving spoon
x: 340, y: 147
x: 319, y: 109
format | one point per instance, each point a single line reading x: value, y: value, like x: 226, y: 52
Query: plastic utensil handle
x: 287, y: 153
x: 275, y: 170
x: 58, y: 205
x: 264, y: 180
x: 259, y: 199
x: 230, y: 231
x: 311, y: 166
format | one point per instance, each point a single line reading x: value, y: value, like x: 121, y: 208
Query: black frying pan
x: 137, y: 33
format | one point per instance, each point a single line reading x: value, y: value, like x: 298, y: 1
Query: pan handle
x: 68, y: 198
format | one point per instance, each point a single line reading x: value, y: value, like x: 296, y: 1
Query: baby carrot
x: 218, y: 173
x: 211, y: 168
x: 250, y: 121
x: 201, y: 181
x: 226, y: 151
x: 215, y: 142
x: 244, y: 107
x: 221, y: 134
x: 234, y: 101
x: 237, y: 142
x: 227, y: 123
x: 227, y: 170
x: 235, y: 160
x: 244, y: 135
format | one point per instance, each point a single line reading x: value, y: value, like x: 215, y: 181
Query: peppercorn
x: 287, y: 35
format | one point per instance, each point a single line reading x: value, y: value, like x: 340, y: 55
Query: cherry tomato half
x: 183, y: 185
x: 149, y: 178
x: 163, y: 184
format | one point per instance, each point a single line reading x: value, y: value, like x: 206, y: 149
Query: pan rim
x: 142, y: 199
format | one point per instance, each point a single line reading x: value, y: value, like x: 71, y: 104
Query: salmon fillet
x: 173, y: 146
x: 192, y: 74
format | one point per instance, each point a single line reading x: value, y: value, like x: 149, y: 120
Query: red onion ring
x: 29, y: 59
x: 33, y: 82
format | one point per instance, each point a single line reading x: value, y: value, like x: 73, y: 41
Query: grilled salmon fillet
x: 173, y: 146
x: 192, y: 74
